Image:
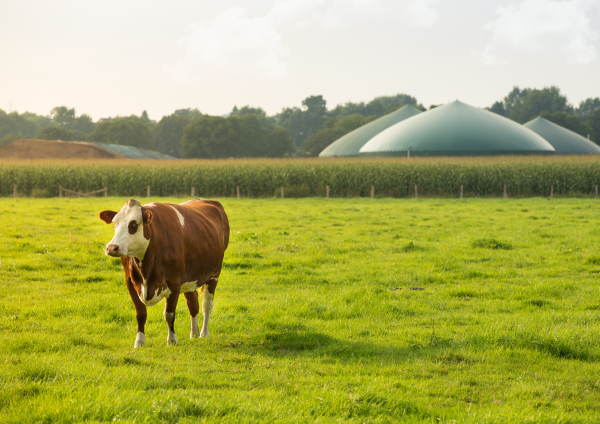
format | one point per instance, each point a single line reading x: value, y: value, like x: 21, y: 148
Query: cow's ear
x: 107, y: 216
x: 146, y: 216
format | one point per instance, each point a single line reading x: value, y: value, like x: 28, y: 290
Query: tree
x: 593, y: 123
x: 292, y: 119
x: 55, y: 133
x: 547, y: 99
x: 334, y: 129
x: 586, y: 107
x: 17, y: 125
x: 190, y: 113
x: 315, y: 114
x: 236, y: 136
x: 568, y: 121
x: 66, y: 118
x: 265, y: 121
x: 123, y: 131
x: 379, y: 106
x: 209, y: 137
x: 498, y: 107
x: 167, y: 134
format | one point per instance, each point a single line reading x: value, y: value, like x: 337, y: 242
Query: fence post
x: 15, y: 190
x: 461, y: 192
x: 327, y: 191
x: 416, y: 193
x: 372, y: 192
x: 505, y: 191
x: 237, y: 189
x: 551, y: 191
x: 193, y: 191
x: 596, y: 191
x: 59, y: 191
x: 147, y: 191
x: 105, y: 191
x: 282, y: 192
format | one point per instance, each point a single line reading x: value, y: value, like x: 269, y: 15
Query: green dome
x: 456, y: 129
x: 350, y: 144
x: 564, y: 141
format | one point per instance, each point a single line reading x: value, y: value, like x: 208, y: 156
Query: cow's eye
x: 133, y: 226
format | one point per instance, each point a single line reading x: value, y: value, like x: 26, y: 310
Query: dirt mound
x: 49, y: 149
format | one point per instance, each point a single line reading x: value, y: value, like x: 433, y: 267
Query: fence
x: 373, y: 179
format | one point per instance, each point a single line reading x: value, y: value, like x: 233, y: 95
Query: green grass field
x: 328, y: 310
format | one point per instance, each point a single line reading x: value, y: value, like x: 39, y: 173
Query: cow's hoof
x: 140, y: 340
x: 172, y: 340
x: 194, y: 335
x: 204, y: 335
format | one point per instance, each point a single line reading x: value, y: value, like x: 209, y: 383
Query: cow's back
x: 199, y: 203
x: 205, y: 239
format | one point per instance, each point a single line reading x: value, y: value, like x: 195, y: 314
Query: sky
x: 117, y: 58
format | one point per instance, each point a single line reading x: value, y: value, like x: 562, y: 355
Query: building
x: 456, y: 129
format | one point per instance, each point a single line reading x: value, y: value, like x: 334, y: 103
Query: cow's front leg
x: 140, y: 314
x: 192, y: 304
x: 207, y: 305
x: 169, y: 315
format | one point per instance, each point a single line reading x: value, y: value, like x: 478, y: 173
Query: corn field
x: 523, y: 177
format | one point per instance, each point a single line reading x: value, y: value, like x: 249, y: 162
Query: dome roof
x: 350, y: 144
x: 456, y: 129
x: 564, y: 141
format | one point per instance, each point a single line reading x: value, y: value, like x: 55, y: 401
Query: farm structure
x: 56, y: 149
x: 457, y: 129
x: 350, y: 144
x: 564, y: 141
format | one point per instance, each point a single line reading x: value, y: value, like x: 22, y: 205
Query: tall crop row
x: 257, y: 179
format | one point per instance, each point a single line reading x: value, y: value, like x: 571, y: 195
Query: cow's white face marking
x: 180, y: 216
x: 189, y: 287
x: 132, y: 245
x: 207, y: 305
x: 140, y: 340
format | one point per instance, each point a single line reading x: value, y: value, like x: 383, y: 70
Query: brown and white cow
x: 168, y: 249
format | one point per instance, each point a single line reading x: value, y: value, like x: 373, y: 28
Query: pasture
x: 328, y: 310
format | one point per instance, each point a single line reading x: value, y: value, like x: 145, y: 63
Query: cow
x: 168, y: 249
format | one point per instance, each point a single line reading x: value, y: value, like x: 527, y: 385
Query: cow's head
x: 129, y: 224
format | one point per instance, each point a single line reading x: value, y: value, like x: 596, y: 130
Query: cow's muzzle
x: 112, y: 250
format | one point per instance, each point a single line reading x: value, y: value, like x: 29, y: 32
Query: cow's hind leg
x: 207, y: 304
x: 194, y: 307
x: 140, y: 314
x: 169, y: 315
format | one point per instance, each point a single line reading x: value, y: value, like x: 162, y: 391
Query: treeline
x: 187, y: 133
x: 297, y: 131
x: 523, y: 105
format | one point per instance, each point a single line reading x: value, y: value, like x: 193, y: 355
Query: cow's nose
x: 112, y: 249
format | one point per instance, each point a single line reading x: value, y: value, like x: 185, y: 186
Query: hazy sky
x: 120, y: 57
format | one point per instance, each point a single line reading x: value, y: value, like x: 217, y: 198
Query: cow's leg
x: 140, y: 314
x: 169, y: 315
x: 192, y: 304
x: 207, y: 304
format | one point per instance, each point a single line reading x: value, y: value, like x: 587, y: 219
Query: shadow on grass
x: 281, y: 343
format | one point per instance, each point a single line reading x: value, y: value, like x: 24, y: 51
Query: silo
x: 564, y: 141
x: 456, y: 129
x: 350, y: 144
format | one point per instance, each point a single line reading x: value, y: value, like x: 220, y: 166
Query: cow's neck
x: 146, y: 260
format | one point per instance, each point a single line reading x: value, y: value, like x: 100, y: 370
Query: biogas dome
x: 456, y: 129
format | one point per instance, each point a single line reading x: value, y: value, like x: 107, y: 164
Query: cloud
x: 542, y: 27
x: 236, y: 43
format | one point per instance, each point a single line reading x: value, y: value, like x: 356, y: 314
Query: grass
x: 328, y: 310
